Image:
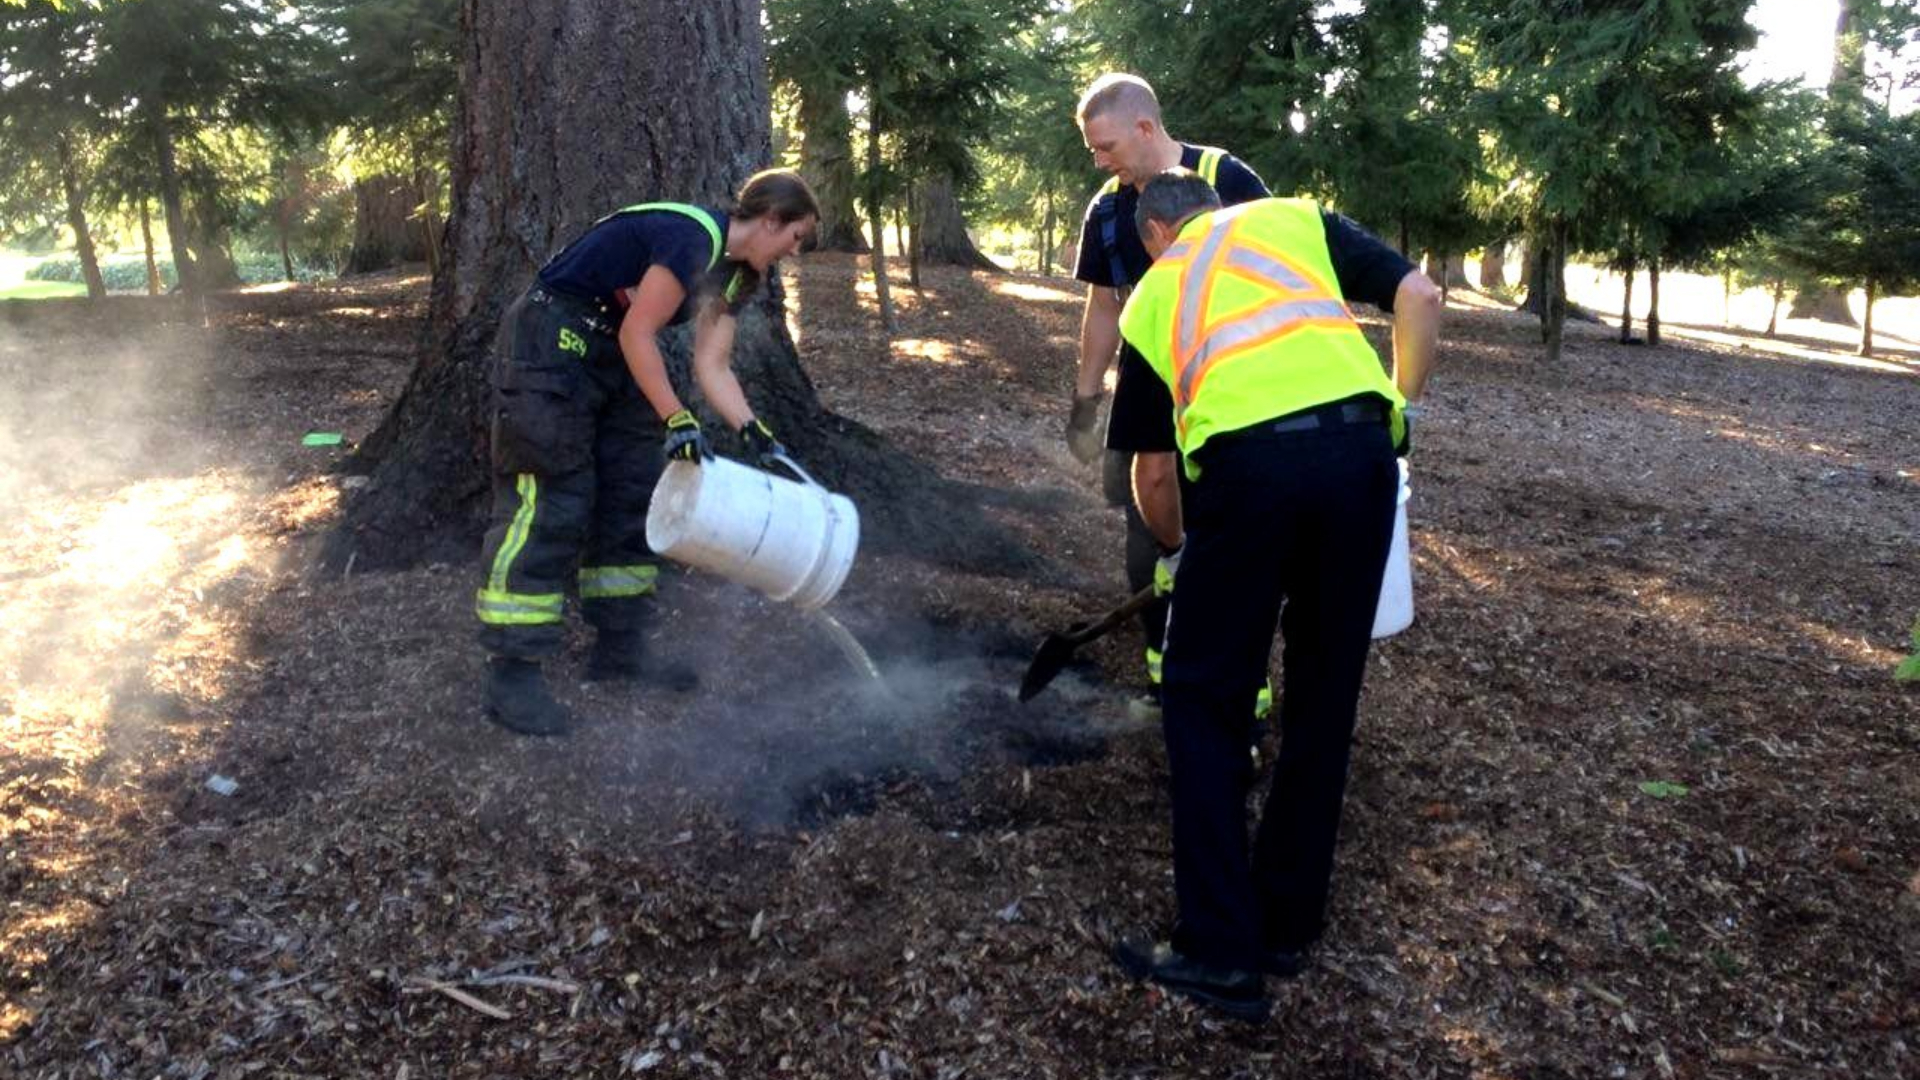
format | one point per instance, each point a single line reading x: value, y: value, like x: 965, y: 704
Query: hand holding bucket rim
x: 794, y: 541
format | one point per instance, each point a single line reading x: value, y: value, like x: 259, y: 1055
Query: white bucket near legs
x: 792, y: 541
x: 1395, y: 611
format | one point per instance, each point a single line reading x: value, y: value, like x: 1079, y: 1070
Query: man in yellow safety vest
x: 1288, y: 428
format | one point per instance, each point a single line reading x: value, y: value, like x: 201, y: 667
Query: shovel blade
x: 1049, y: 660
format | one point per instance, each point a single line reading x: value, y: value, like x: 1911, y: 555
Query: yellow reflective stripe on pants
x: 604, y: 582
x: 1154, y: 657
x: 1263, y: 702
x: 527, y: 486
x: 517, y: 609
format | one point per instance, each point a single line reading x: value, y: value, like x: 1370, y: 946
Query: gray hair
x: 1118, y: 92
x: 1173, y: 196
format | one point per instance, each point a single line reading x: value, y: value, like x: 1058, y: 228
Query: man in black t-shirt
x: 1119, y: 118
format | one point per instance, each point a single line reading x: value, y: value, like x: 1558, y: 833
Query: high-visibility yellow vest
x: 1244, y: 320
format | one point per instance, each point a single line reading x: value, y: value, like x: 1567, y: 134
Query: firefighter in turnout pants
x: 1289, y: 428
x: 582, y: 412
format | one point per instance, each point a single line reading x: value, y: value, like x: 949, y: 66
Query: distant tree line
x: 1620, y: 131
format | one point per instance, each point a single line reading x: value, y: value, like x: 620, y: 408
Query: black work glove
x: 1083, y: 435
x: 758, y: 438
x: 1404, y: 444
x: 685, y: 440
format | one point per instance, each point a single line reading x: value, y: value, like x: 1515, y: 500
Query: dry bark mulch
x: 1639, y: 571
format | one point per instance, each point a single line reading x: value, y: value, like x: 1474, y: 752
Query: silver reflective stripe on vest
x: 1271, y: 269
x: 1260, y: 323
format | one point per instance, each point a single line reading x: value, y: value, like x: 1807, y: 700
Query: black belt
x: 1363, y: 412
x: 596, y: 315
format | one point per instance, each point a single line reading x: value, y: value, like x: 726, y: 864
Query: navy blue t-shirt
x: 616, y: 252
x: 1234, y: 180
x: 1369, y: 271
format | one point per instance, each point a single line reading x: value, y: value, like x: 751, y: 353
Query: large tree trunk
x: 427, y: 182
x: 1493, y: 265
x: 384, y: 231
x: 77, y: 221
x: 940, y: 231
x: 826, y: 160
x: 685, y: 86
x: 184, y: 270
x: 1773, y: 320
x: 212, y: 240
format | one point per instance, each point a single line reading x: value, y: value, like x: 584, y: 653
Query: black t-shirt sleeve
x: 1369, y: 270
x: 1142, y: 417
x: 684, y: 248
x: 1237, y: 182
x: 1092, y: 265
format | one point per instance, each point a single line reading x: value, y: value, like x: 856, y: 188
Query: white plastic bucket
x: 1395, y: 611
x: 792, y: 541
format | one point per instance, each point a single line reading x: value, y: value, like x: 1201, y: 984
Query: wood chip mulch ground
x: 1636, y: 796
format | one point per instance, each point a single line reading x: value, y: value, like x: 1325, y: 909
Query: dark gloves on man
x: 758, y: 438
x: 1083, y: 434
x: 685, y: 441
x: 1403, y: 445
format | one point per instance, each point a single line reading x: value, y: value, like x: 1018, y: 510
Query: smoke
x: 787, y: 730
x: 113, y: 513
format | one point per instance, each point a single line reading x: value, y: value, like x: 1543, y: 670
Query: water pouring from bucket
x: 793, y: 541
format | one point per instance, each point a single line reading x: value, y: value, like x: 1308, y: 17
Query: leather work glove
x: 1164, y: 569
x: 1083, y: 424
x: 685, y: 440
x: 759, y: 441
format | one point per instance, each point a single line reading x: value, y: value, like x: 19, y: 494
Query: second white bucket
x: 1395, y: 610
x: 792, y: 541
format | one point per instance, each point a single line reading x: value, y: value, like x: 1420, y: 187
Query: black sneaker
x: 1241, y: 995
x: 518, y: 699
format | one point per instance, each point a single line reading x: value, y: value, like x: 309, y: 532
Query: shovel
x: 1057, y: 649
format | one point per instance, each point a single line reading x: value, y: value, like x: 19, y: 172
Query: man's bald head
x: 1121, y: 96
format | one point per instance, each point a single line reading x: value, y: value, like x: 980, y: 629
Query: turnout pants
x: 576, y: 453
x: 1289, y: 528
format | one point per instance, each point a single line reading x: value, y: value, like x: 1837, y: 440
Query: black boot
x: 620, y: 656
x: 518, y: 698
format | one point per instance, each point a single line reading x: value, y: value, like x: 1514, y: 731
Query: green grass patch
x: 36, y: 290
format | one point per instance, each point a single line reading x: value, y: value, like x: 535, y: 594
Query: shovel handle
x: 1111, y: 619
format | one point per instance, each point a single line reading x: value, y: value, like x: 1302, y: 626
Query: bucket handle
x: 797, y: 470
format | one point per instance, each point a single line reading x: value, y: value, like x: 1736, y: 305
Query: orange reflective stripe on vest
x: 1290, y: 297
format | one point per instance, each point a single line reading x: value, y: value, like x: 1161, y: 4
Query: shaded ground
x: 1645, y: 565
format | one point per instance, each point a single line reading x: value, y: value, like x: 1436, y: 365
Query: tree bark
x: 427, y: 183
x: 876, y: 218
x: 1626, y: 307
x: 1773, y: 320
x: 1653, y: 303
x: 940, y: 230
x: 1866, y: 323
x: 1554, y: 280
x: 542, y: 85
x: 146, y: 239
x: 384, y: 232
x: 77, y: 221
x: 1493, y: 265
x: 826, y: 160
x: 184, y: 270
x: 1043, y: 257
x: 909, y: 248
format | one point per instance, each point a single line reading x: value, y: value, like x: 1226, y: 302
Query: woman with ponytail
x: 584, y: 416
